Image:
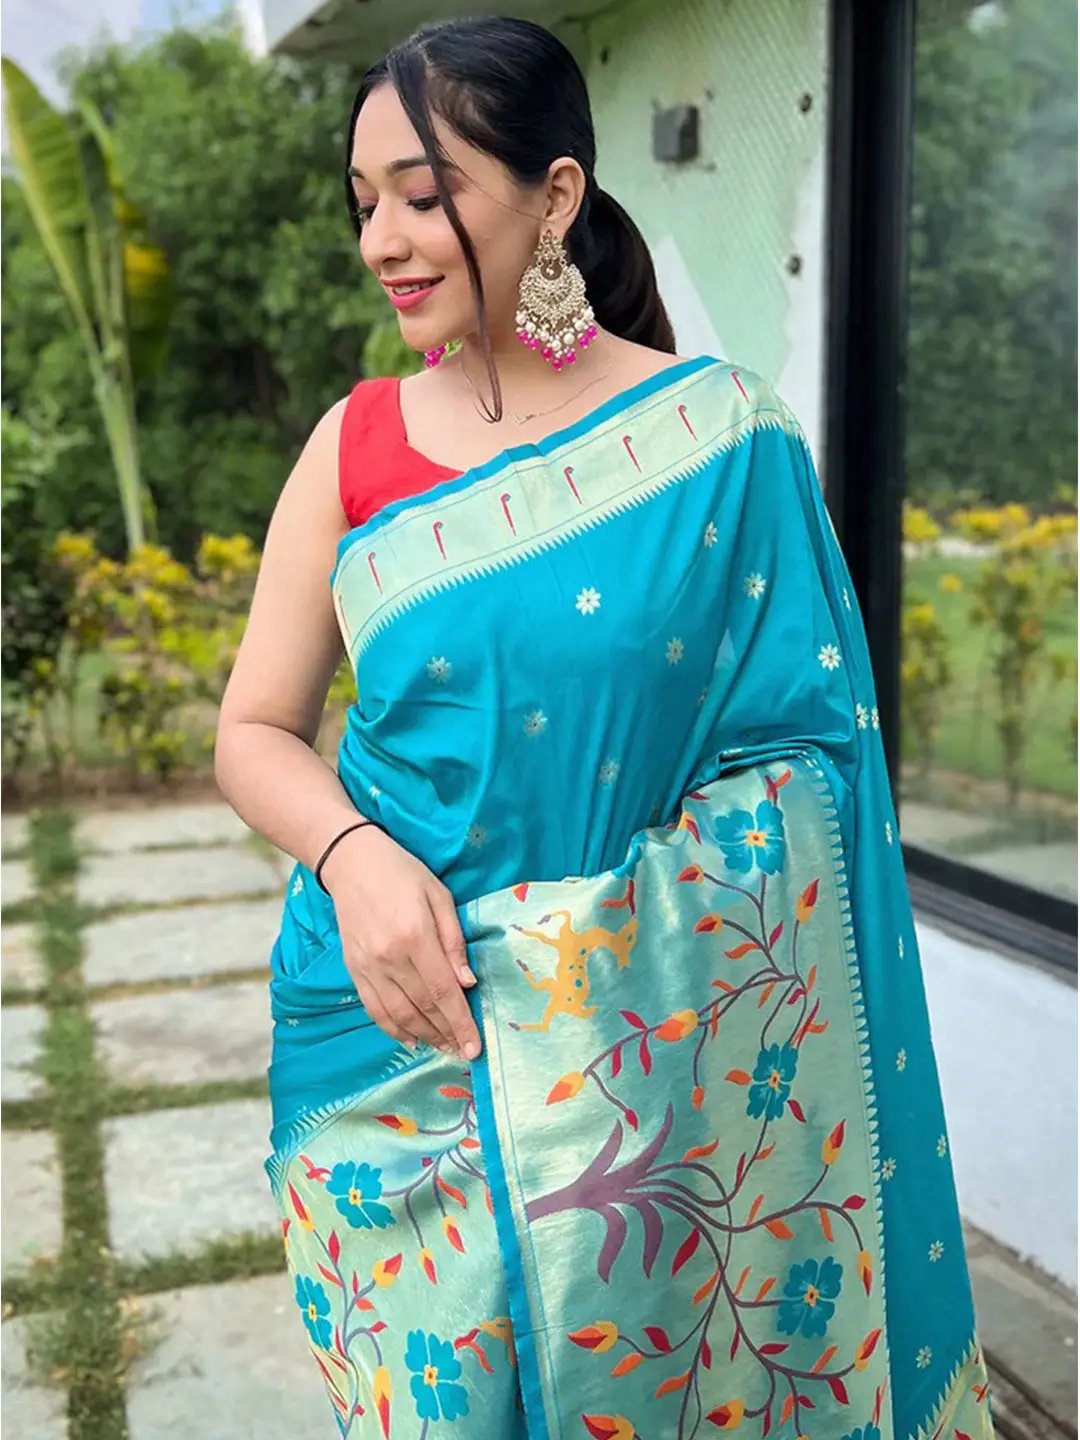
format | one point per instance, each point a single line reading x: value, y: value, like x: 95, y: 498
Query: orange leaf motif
x: 627, y: 1363
x: 738, y: 1077
x: 866, y: 1349
x: 785, y: 1413
x: 678, y: 1026
x: 452, y: 1191
x: 709, y: 924
x: 697, y: 1096
x: 741, y: 950
x: 453, y: 1234
x: 455, y: 1092
x: 765, y: 1288
x: 823, y: 1360
x: 763, y: 998
x: 598, y: 1337
x: 706, y: 1290
x: 865, y: 1269
x: 696, y: 1151
x: 804, y: 906
x: 754, y: 1208
x: 780, y: 1229
x: 566, y: 1088
x: 608, y: 1427
x: 832, y: 1144
x: 675, y: 1383
x: 826, y: 1223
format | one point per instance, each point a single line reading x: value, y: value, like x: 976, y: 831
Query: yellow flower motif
x: 951, y: 584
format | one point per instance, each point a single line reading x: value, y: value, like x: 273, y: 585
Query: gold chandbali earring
x: 554, y: 315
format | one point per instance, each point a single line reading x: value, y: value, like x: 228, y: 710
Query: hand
x: 401, y: 941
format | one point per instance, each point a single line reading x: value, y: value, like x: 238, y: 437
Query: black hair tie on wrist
x: 317, y: 872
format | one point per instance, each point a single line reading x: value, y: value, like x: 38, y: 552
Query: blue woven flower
x: 358, y: 1187
x: 810, y: 1298
x: 773, y: 1074
x: 752, y: 840
x: 315, y: 1308
x: 435, y: 1368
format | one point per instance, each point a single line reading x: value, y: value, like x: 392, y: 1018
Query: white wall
x: 1005, y: 1036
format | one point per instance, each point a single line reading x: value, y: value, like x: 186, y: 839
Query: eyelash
x: 422, y: 204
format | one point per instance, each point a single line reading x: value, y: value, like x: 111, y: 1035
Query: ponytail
x: 620, y: 279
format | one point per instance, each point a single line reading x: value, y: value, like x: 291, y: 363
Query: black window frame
x: 872, y: 79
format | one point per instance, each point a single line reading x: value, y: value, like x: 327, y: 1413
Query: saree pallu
x: 614, y: 690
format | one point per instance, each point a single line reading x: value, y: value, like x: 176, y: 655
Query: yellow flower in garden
x: 919, y: 527
x: 951, y: 584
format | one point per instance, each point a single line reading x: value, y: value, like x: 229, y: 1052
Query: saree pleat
x: 615, y: 691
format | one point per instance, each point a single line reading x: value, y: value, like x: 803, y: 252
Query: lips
x: 408, y: 291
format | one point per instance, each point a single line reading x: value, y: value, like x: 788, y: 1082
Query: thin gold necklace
x: 536, y: 414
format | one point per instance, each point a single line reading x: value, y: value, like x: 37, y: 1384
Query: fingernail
x: 472, y: 1050
x: 466, y: 977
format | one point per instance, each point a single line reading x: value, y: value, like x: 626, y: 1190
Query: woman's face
x: 406, y: 235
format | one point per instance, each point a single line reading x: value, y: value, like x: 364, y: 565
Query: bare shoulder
x: 636, y: 362
x: 314, y: 477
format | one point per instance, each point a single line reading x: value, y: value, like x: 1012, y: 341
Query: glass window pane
x: 989, y: 678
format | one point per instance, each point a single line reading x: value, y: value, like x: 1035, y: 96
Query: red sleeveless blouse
x: 376, y: 463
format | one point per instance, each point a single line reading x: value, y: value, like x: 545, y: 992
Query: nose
x: 382, y: 239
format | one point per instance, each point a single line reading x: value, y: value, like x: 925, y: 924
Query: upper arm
x: 292, y: 647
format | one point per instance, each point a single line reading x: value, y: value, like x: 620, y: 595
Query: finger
x: 444, y: 991
x: 425, y: 1017
x: 450, y: 936
x: 394, y: 1013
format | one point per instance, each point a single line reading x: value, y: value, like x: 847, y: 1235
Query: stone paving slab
x: 20, y: 963
x: 181, y: 944
x: 16, y: 882
x: 217, y: 872
x: 1027, y: 1323
x: 31, y: 1411
x: 177, y: 1037
x: 235, y: 1352
x: 175, y: 1180
x: 21, y: 1029
x: 14, y: 833
x: 203, y: 823
x: 29, y: 1199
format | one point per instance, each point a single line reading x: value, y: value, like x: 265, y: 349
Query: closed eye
x: 420, y: 202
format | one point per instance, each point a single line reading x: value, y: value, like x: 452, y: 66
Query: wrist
x: 333, y: 861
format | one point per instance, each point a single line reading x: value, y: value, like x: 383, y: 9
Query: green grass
x: 83, y: 1341
x: 85, y: 1325
x: 967, y: 742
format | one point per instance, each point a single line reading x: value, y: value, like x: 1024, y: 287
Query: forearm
x: 280, y: 787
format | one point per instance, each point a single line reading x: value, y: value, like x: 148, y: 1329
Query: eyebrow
x: 410, y: 162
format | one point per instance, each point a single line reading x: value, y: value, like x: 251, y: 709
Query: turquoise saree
x: 614, y: 690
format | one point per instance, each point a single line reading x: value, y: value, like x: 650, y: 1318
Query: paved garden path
x: 171, y: 912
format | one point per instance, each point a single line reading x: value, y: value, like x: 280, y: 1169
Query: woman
x: 604, y: 1102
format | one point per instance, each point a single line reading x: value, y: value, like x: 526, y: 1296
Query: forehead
x: 384, y: 134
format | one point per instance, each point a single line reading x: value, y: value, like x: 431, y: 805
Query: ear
x: 565, y: 192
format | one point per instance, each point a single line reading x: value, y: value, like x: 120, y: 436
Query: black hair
x: 513, y: 90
